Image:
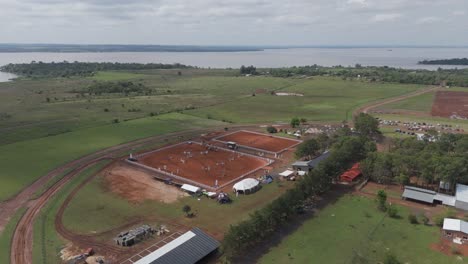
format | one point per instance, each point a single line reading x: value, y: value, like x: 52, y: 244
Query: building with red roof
x: 351, y: 174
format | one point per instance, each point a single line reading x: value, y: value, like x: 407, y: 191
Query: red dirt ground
x: 451, y: 103
x: 223, y: 165
x: 259, y: 141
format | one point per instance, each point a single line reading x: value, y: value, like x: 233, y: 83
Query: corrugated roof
x: 352, y: 173
x: 462, y: 193
x: 186, y: 249
x: 419, y: 194
x: 312, y: 163
x: 458, y: 225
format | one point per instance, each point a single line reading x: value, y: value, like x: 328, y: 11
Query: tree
x: 366, y: 125
x: 382, y: 200
x: 303, y: 120
x: 272, y: 129
x: 186, y: 209
x: 307, y: 148
x: 413, y: 219
x: 295, y: 122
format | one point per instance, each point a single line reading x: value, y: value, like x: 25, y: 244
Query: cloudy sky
x: 236, y: 22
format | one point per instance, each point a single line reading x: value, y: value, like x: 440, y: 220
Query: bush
x: 382, y: 200
x: 424, y: 219
x: 272, y: 129
x: 413, y: 219
x: 392, y: 211
x: 391, y: 259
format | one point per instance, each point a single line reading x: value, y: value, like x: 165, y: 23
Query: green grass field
x: 96, y: 210
x: 44, y: 154
x: 47, y: 243
x: 353, y: 227
x: 324, y: 99
x: 422, y: 103
x: 6, y: 235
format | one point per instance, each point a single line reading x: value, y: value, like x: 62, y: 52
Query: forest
x: 83, y: 69
x: 455, y: 61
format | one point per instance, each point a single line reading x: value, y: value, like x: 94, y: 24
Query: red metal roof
x: 351, y: 174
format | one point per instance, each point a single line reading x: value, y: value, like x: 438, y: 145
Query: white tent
x: 246, y: 185
x: 190, y: 188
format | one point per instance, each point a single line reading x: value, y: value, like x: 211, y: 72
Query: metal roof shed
x: 458, y: 225
x: 419, y: 194
x: 186, y: 249
x: 190, y: 188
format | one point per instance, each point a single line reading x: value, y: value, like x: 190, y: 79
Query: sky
x: 235, y: 22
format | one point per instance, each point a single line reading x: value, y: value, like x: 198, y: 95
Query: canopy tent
x: 190, y: 188
x: 246, y: 185
x: 286, y: 173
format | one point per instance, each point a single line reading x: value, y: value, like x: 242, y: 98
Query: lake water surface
x: 394, y: 57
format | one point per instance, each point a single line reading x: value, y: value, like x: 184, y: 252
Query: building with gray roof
x: 189, y: 248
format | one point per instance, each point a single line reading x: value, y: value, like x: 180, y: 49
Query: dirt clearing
x: 138, y: 186
x: 451, y: 104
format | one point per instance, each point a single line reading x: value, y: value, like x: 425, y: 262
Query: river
x: 271, y: 58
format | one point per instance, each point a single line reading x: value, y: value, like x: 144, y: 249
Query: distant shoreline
x: 455, y: 61
x: 72, y: 48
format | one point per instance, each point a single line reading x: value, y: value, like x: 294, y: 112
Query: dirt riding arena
x: 259, y: 141
x: 137, y: 185
x: 451, y: 104
x: 203, y: 165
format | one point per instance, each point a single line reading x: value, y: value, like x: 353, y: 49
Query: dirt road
x: 367, y: 108
x: 22, y: 241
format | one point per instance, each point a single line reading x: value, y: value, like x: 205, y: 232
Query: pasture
x: 352, y: 230
x: 44, y: 154
x: 324, y: 99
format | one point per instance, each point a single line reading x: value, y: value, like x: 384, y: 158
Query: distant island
x: 462, y: 61
x: 120, y: 48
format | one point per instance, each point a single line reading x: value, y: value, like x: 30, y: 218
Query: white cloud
x: 428, y: 20
x: 385, y: 17
x: 227, y: 22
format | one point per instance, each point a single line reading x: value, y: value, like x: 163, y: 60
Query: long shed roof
x: 458, y: 225
x: 419, y: 194
x: 186, y: 249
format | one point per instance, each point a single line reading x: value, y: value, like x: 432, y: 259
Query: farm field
x: 353, y: 231
x: 422, y: 103
x: 324, y: 99
x: 46, y: 153
x: 44, y: 107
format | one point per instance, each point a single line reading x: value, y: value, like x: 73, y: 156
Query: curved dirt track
x: 22, y: 240
x: 367, y: 108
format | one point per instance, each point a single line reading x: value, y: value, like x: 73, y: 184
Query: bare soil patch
x: 259, y: 141
x: 202, y: 163
x: 450, y: 104
x: 137, y: 186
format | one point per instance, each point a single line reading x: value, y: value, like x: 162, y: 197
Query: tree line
x: 456, y: 61
x: 84, y: 69
x: 451, y: 77
x: 261, y: 225
x: 430, y: 162
x: 121, y: 87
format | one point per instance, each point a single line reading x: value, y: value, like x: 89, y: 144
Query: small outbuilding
x: 455, y: 229
x: 310, y: 164
x: 190, y: 188
x: 461, y: 197
x: 248, y: 185
x: 419, y: 194
x: 286, y: 173
x: 351, y: 174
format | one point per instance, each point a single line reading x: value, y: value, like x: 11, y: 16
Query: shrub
x: 382, y: 200
x: 392, y: 211
x: 413, y: 219
x: 424, y: 219
x: 272, y: 129
x: 115, y: 121
x: 106, y: 109
x: 391, y: 259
